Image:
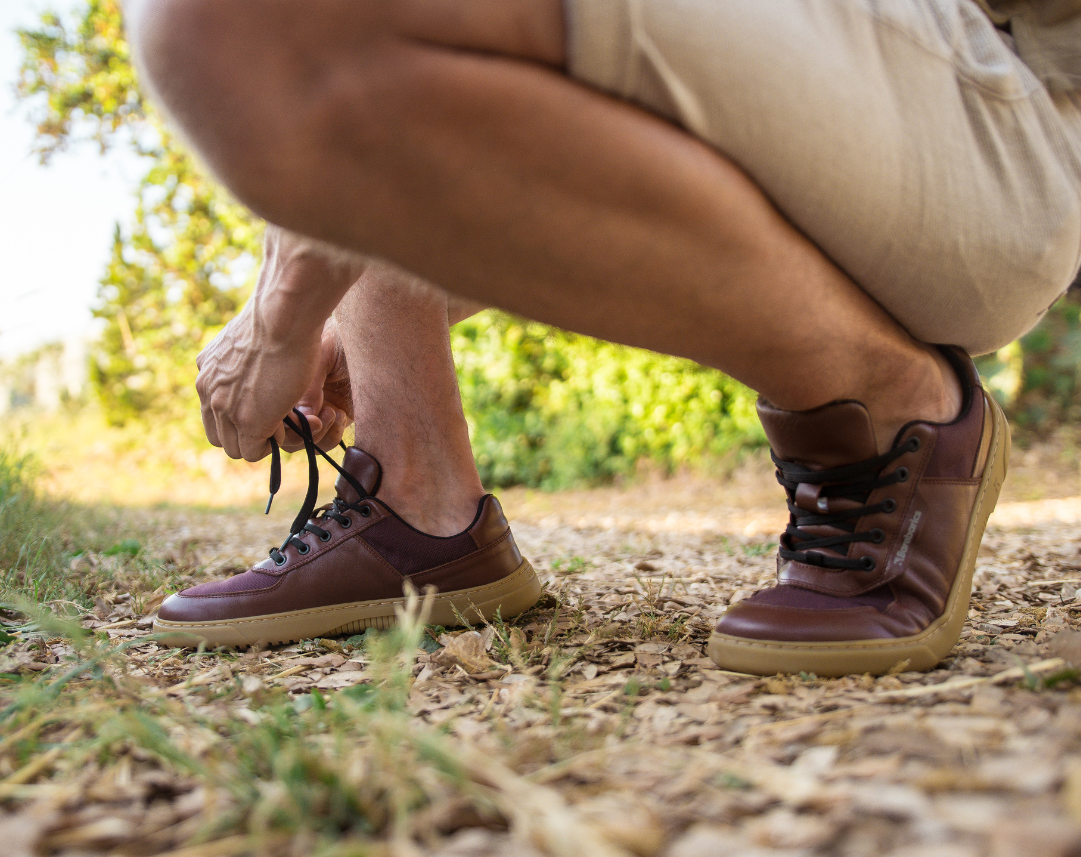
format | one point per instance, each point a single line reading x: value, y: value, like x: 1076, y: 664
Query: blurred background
x: 122, y: 259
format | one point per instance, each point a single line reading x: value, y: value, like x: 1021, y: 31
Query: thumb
x: 312, y: 400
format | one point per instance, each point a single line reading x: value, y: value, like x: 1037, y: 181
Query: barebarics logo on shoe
x: 903, y: 550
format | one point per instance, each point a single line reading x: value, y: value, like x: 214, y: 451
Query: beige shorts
x: 904, y: 137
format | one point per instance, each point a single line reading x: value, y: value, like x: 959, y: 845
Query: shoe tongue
x: 364, y: 469
x: 830, y: 436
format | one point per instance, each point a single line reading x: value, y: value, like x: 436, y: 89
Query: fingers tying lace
x: 304, y: 522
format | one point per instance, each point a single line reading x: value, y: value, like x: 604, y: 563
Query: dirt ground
x: 624, y: 719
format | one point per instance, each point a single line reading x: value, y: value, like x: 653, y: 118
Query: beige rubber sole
x: 510, y: 596
x: 918, y: 652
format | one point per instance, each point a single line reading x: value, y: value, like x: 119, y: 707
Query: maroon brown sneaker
x: 875, y: 567
x: 344, y: 569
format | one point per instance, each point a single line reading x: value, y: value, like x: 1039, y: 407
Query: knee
x: 254, y: 87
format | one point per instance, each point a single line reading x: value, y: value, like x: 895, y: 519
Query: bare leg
x: 393, y: 330
x: 500, y: 179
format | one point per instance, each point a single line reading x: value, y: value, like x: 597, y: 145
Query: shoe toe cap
x: 178, y: 608
x: 217, y: 599
x: 801, y: 625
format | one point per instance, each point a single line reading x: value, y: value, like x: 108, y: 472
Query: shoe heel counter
x: 491, y: 523
x: 958, y: 450
x: 985, y: 440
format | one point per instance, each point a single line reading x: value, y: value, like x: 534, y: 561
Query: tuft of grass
x: 126, y: 547
x: 571, y: 564
x: 324, y: 775
x: 61, y: 554
x: 58, y: 554
x: 32, y: 549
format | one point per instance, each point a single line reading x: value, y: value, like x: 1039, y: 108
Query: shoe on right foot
x: 875, y: 567
x: 345, y: 570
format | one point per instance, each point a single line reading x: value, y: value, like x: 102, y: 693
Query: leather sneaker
x: 875, y: 567
x: 345, y: 568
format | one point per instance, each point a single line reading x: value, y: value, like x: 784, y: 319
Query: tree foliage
x: 1038, y: 377
x: 545, y: 407
x: 181, y: 269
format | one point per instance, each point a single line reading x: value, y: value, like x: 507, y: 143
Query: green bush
x: 550, y: 409
x: 1038, y: 377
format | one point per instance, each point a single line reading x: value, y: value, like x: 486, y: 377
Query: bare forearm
x: 301, y: 283
x: 267, y: 359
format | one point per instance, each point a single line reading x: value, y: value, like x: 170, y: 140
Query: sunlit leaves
x: 545, y: 407
x: 181, y: 270
x: 551, y: 408
x: 82, y: 66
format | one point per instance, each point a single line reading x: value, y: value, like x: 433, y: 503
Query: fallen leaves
x: 465, y: 650
x: 596, y: 722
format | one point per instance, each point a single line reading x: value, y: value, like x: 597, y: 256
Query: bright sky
x: 56, y: 222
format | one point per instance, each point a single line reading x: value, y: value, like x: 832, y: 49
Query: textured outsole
x: 511, y: 595
x: 917, y: 652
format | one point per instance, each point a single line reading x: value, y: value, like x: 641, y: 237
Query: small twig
x: 291, y: 671
x: 1012, y: 674
x: 597, y: 703
x: 83, y: 612
x: 41, y: 791
x: 111, y: 626
x: 731, y: 672
x: 491, y: 702
x: 558, y: 770
x: 209, y: 677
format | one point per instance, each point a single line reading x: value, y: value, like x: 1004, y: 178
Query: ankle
x: 926, y: 388
x: 439, y: 503
x: 443, y: 519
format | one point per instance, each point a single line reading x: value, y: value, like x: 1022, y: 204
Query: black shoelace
x: 304, y: 522
x: 853, y: 482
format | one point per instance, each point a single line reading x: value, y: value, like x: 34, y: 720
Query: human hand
x: 328, y: 401
x: 281, y: 352
x: 248, y: 383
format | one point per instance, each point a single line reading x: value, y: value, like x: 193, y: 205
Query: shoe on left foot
x: 875, y: 567
x: 343, y: 569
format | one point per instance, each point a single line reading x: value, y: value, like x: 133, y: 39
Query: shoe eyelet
x: 303, y: 549
x: 280, y: 562
x: 347, y: 523
x: 365, y: 511
x: 913, y: 444
x: 324, y: 536
x: 901, y: 473
x: 889, y: 505
x: 878, y: 536
x: 867, y: 563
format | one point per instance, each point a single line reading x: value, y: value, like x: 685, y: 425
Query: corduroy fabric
x: 906, y: 138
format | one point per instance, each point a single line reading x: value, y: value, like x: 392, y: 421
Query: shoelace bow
x: 853, y: 482
x: 304, y: 521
